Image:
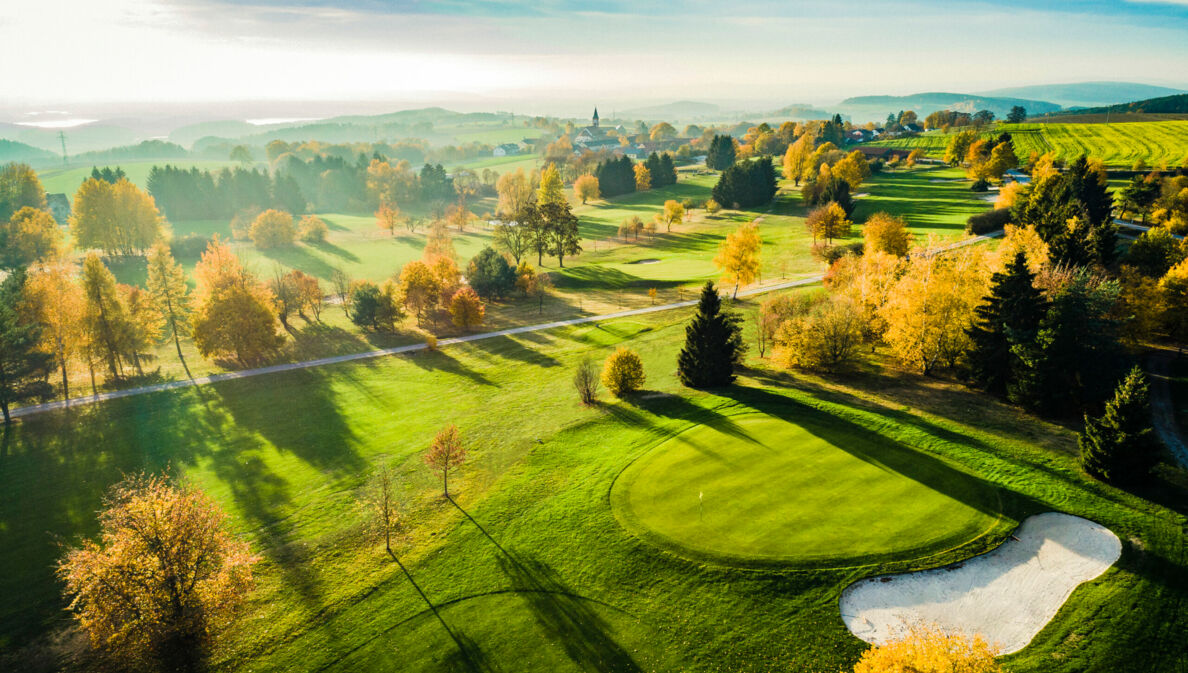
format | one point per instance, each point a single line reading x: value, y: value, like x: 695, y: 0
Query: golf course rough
x: 806, y: 490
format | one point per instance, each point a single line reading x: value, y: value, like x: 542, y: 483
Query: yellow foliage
x: 552, y: 189
x: 886, y: 233
x: 273, y: 229
x: 1009, y: 194
x: 738, y: 256
x: 466, y: 309
x: 930, y: 650
x: 586, y: 187
x: 623, y: 372
x: 643, y: 178
x: 828, y: 222
x: 1025, y: 240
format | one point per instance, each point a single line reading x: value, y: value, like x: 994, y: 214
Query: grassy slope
x: 67, y: 180
x: 531, y: 569
x: 1119, y: 145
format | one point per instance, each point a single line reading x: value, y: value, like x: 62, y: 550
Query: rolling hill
x: 1085, y: 94
x: 876, y: 108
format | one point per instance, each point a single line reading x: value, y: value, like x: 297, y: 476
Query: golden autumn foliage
x: 466, y: 309
x: 623, y: 373
x: 822, y: 334
x: 674, y: 213
x: 445, y: 454
x: 930, y: 308
x: 887, y: 233
x: 163, y: 575
x: 515, y: 192
x: 828, y: 222
x: 234, y: 311
x: 419, y: 287
x: 273, y: 229
x: 552, y: 189
x: 1025, y: 240
x: 57, y: 303
x: 643, y: 178
x: 106, y: 326
x: 738, y: 256
x: 439, y: 243
x: 930, y: 650
x: 387, y: 216
x: 586, y: 187
x: 312, y: 229
x: 30, y: 236
x: 867, y: 280
x: 119, y: 218
x: 1009, y: 194
x: 798, y: 158
x: 853, y: 168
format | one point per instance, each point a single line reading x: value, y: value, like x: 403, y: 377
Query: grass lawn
x: 67, y: 180
x: 529, y: 567
x: 1119, y: 144
x: 792, y: 480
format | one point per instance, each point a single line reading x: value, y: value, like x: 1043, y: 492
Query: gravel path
x: 30, y: 410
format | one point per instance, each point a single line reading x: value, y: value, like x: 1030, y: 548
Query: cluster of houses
x: 866, y: 135
x: 593, y: 138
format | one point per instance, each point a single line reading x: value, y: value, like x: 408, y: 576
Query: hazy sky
x: 70, y: 51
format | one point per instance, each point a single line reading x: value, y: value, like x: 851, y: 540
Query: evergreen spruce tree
x: 1120, y: 447
x: 713, y: 344
x: 1010, y: 316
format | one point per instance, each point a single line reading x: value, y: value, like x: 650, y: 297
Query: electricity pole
x: 62, y: 138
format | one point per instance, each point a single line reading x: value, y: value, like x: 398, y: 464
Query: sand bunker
x: 1006, y: 595
x: 645, y: 261
x: 862, y: 195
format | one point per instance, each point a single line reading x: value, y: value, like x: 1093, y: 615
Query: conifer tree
x: 713, y: 344
x: 1009, y: 317
x: 1119, y: 447
x: 24, y: 367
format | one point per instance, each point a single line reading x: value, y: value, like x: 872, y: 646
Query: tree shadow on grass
x: 300, y: 258
x: 338, y: 251
x: 885, y: 453
x: 441, y: 361
x: 511, y: 349
x: 565, y: 616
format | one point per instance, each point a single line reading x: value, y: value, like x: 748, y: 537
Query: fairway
x: 817, y: 491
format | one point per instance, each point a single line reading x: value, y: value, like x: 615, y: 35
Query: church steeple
x: 595, y: 117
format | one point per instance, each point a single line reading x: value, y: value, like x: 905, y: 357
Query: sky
x: 502, y: 51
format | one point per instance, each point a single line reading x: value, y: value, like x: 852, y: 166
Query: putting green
x: 815, y: 492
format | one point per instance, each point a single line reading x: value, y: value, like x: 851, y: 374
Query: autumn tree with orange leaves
x: 164, y: 575
x: 445, y: 454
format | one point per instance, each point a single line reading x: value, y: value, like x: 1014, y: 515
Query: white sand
x: 1006, y: 595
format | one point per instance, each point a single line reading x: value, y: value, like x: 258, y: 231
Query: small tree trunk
x: 91, y: 366
x: 4, y: 406
x: 445, y: 482
x: 62, y: 359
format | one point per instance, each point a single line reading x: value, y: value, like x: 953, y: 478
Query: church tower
x: 595, y: 118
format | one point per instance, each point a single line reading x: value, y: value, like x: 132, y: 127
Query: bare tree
x: 585, y: 379
x: 379, y: 497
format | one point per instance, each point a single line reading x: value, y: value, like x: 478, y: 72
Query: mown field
x: 1118, y: 145
x: 530, y: 567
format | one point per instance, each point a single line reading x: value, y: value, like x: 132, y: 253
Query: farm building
x: 506, y: 150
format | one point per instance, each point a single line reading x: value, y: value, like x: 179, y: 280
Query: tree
x: 419, y: 287
x: 930, y: 650
x: 29, y: 236
x: 559, y: 231
x: 1007, y: 319
x: 713, y: 344
x: 886, y: 233
x: 374, y: 306
x: 643, y: 178
x: 746, y: 184
x: 585, y: 379
x: 242, y: 154
x: 674, y: 213
x: 515, y: 193
x: 661, y: 132
x: 379, y: 498
x: 56, y: 302
x: 798, y: 158
x: 163, y: 576
x: 105, y: 322
x: 1120, y: 446
x: 586, y: 188
x: 958, y: 147
x: 518, y: 237
x: 738, y: 256
x: 490, y: 275
x: 535, y: 284
x: 445, y: 454
x: 1173, y: 288
x: 466, y: 309
x: 721, y: 153
x: 273, y: 229
x: 630, y: 227
x: 387, y: 216
x: 234, y: 311
x: 825, y: 335
x: 119, y: 218
x: 171, y: 295
x: 312, y: 229
x: 552, y: 189
x: 854, y: 168
x: 623, y: 373
x: 828, y: 222
x: 1017, y: 115
x: 19, y: 188
x: 1138, y: 196
x: 24, y: 366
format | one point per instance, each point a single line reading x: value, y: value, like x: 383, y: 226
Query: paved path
x: 1163, y: 409
x: 273, y: 369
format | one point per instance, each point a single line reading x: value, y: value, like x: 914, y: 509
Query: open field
x: 531, y: 570
x: 67, y: 180
x: 1119, y: 145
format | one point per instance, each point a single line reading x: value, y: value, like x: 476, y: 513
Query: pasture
x: 1119, y: 145
x: 530, y: 567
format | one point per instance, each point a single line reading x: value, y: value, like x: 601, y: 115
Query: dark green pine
x: 713, y: 344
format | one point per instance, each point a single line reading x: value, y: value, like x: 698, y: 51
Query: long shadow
x: 680, y: 408
x: 337, y: 251
x: 562, y: 614
x: 511, y: 349
x: 298, y: 257
x: 890, y: 455
x: 442, y: 361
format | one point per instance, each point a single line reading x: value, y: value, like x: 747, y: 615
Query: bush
x: 984, y: 223
x: 824, y: 252
x: 312, y: 229
x: 490, y: 275
x: 980, y: 185
x: 272, y: 229
x: 623, y: 372
x: 585, y: 379
x: 374, y: 306
x: 189, y: 246
x: 712, y: 207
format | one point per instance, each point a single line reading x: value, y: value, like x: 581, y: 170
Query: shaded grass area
x: 528, y: 566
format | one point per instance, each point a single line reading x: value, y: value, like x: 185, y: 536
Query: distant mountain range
x: 1086, y: 94
x: 681, y: 110
x: 876, y: 108
x: 11, y: 150
x: 1177, y: 104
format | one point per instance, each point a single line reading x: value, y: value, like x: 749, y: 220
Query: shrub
x: 827, y: 336
x: 189, y: 246
x: 712, y: 207
x: 623, y: 372
x: 980, y: 185
x: 887, y: 233
x: 466, y: 309
x: 312, y: 229
x: 585, y: 379
x: 272, y: 229
x: 984, y: 223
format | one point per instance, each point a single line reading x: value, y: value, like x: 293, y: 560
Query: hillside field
x: 1119, y: 145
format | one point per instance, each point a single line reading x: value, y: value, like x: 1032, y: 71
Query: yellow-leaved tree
x: 235, y: 314
x: 273, y: 229
x: 828, y: 222
x: 886, y: 233
x: 466, y: 309
x: 586, y: 187
x: 738, y: 256
x: 164, y: 575
x: 30, y: 236
x: 57, y: 302
x: 119, y: 218
x: 867, y: 280
x: 552, y: 189
x: 623, y: 373
x: 643, y: 178
x: 930, y: 650
x: 674, y: 213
